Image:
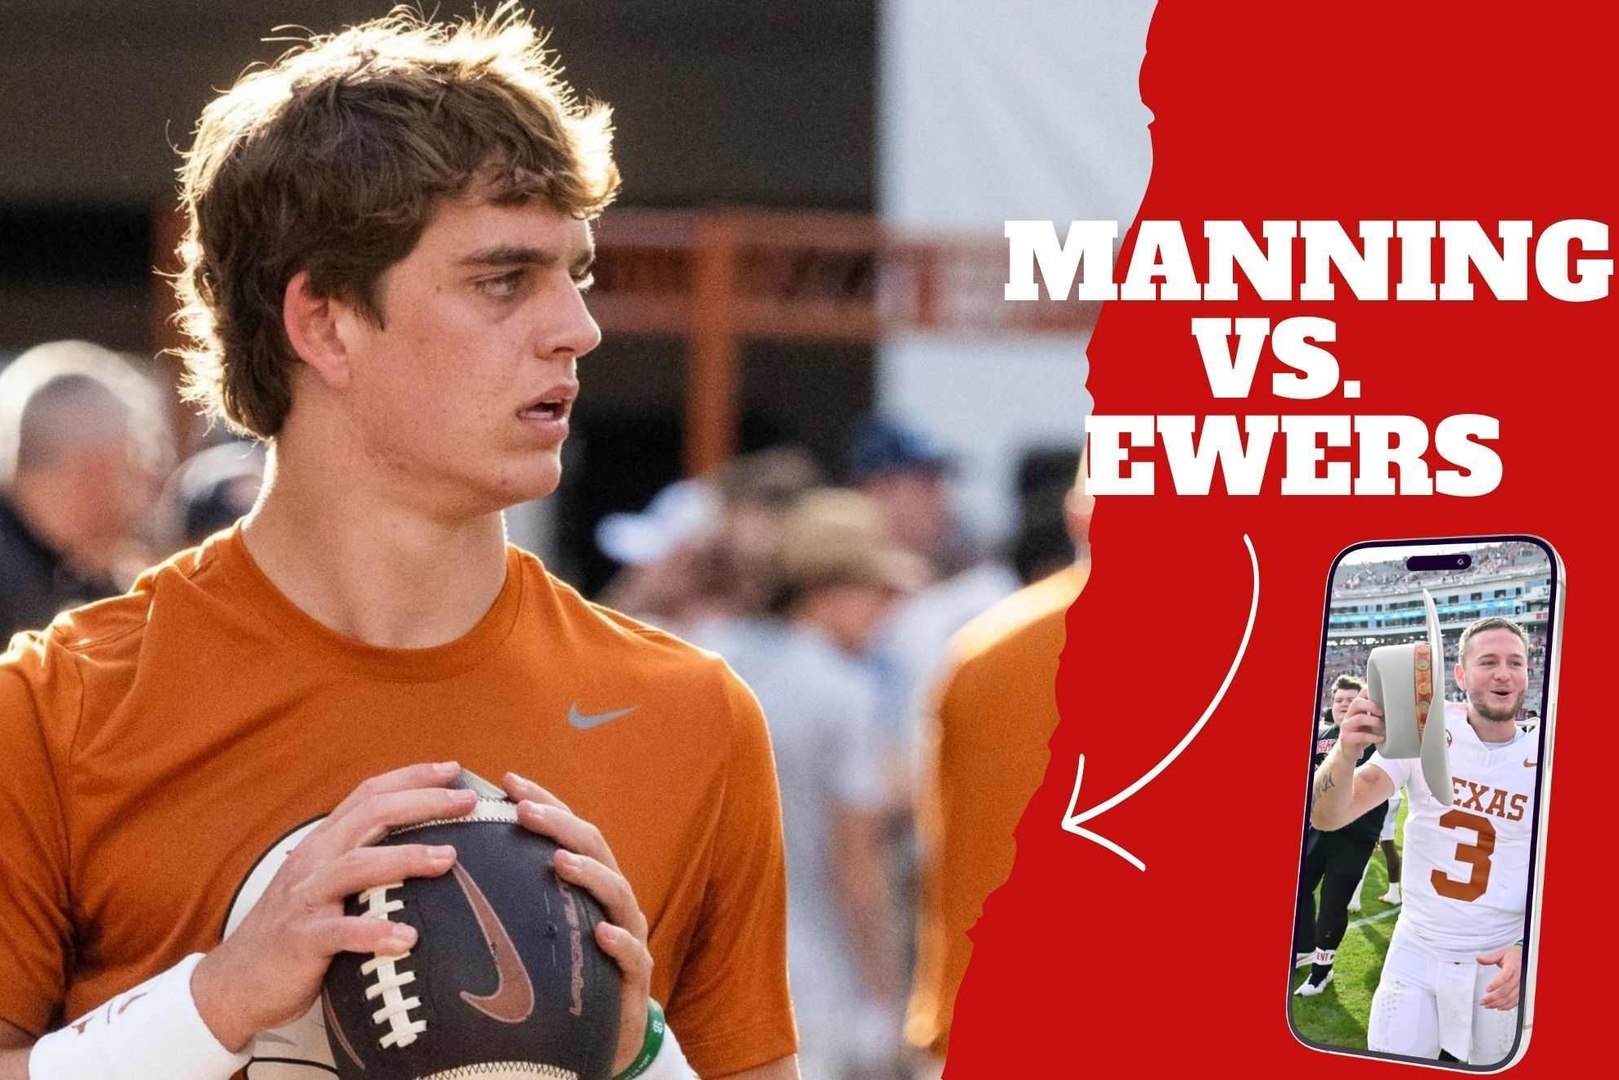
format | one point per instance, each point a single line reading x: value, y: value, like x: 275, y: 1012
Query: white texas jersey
x: 1466, y: 875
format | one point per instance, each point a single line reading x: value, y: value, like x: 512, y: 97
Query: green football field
x: 1337, y: 1016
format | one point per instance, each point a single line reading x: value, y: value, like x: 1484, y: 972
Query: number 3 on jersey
x: 1477, y: 855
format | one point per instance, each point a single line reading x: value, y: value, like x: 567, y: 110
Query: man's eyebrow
x: 510, y: 255
x: 524, y: 255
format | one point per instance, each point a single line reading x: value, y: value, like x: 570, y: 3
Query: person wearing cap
x: 78, y: 457
x: 1450, y: 983
x: 667, y: 558
x: 904, y: 474
x: 837, y: 572
x: 1334, y: 861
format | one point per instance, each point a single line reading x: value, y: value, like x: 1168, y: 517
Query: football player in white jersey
x: 1450, y: 983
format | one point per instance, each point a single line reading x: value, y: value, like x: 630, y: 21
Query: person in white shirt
x: 1450, y: 982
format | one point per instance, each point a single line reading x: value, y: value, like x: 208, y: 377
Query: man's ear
x: 315, y: 326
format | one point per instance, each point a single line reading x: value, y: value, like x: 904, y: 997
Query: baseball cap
x: 676, y: 515
x: 882, y: 445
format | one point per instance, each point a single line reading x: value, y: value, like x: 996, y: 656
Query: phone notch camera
x: 1446, y: 564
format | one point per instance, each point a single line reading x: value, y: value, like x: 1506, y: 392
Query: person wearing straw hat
x: 837, y: 571
x: 1450, y: 984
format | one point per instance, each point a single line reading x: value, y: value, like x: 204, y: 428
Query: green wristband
x: 650, y: 1045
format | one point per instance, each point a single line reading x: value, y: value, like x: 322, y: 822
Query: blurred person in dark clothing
x: 1044, y: 542
x: 79, y: 438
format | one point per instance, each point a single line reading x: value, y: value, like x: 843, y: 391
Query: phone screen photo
x: 1429, y: 768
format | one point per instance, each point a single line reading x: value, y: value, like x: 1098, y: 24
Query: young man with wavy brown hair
x: 389, y: 239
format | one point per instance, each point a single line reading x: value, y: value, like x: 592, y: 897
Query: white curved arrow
x: 1072, y: 822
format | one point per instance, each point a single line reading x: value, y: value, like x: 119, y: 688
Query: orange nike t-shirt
x: 996, y: 710
x: 160, y: 746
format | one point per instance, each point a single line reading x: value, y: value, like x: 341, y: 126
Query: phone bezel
x: 1544, y: 733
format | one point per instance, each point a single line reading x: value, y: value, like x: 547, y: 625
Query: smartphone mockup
x: 1429, y: 773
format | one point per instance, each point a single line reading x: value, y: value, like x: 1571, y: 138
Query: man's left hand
x: 586, y: 861
x: 1502, y: 991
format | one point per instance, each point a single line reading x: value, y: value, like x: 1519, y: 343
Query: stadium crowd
x: 1347, y: 656
x: 1392, y: 575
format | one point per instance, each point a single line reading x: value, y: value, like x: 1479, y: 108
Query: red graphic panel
x: 1290, y: 111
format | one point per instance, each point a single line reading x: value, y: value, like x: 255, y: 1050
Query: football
x: 505, y: 981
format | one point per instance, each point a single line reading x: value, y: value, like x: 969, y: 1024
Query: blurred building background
x: 929, y: 114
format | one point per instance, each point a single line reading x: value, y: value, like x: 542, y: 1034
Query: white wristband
x: 670, y: 1064
x: 151, y: 1032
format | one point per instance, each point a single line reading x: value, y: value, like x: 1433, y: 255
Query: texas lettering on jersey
x: 1510, y: 805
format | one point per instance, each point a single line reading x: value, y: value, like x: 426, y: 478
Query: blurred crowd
x: 835, y: 597
x: 833, y: 588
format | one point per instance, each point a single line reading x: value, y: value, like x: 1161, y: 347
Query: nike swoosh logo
x: 513, y: 999
x: 585, y: 722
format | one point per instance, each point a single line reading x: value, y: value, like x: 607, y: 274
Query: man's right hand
x: 1344, y: 792
x: 269, y: 972
x: 1362, y: 727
